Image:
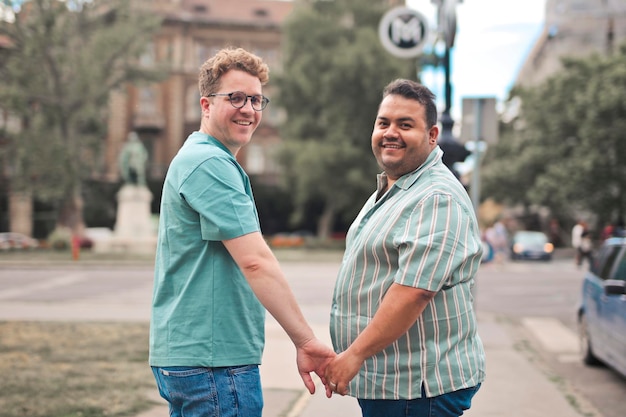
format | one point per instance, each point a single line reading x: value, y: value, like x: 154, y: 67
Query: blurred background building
x: 574, y: 28
x: 164, y: 114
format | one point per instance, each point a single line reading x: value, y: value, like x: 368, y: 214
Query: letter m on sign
x: 406, y: 33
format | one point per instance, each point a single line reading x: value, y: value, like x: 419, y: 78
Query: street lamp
x: 453, y: 151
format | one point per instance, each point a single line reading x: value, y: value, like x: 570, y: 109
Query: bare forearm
x: 273, y: 291
x: 267, y: 281
x: 398, y: 311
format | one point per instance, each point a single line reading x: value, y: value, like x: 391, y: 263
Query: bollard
x: 75, y: 247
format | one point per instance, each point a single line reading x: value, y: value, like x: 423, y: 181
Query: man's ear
x: 205, y: 102
x: 433, y: 134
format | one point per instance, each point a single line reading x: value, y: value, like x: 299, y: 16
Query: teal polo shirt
x: 204, y: 313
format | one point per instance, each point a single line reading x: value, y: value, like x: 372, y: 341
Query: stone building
x: 574, y: 28
x: 163, y: 114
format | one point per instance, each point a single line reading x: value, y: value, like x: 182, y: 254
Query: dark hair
x: 415, y: 91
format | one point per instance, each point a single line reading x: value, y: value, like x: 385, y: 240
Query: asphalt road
x: 518, y: 292
x: 523, y: 291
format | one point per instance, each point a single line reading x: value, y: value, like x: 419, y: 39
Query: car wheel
x: 586, y: 350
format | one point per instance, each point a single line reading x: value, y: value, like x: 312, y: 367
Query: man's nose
x: 391, y: 132
x: 247, y: 105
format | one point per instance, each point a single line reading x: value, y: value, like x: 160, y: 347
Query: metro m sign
x: 403, y: 32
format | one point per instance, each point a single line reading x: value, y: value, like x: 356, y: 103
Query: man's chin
x: 389, y: 163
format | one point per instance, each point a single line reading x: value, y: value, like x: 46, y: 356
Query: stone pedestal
x: 134, y: 230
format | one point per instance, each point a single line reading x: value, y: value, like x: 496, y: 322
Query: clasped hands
x: 335, y: 371
x: 339, y: 372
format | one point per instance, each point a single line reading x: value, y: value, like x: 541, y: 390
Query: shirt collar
x: 408, y: 179
x: 199, y: 137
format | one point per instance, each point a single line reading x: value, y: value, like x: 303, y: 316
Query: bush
x: 60, y: 239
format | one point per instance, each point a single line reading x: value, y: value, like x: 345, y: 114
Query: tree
x: 334, y: 71
x: 63, y: 61
x: 569, y: 150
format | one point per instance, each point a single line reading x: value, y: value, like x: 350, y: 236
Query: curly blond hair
x: 225, y: 60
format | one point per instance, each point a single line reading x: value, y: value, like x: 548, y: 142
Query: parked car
x: 11, y: 241
x: 527, y: 244
x: 602, y: 312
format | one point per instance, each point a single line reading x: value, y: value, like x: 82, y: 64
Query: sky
x: 493, y: 39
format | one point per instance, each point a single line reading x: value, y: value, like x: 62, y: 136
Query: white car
x: 12, y: 241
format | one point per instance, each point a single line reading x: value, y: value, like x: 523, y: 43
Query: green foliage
x: 62, y: 62
x: 568, y: 148
x: 334, y: 72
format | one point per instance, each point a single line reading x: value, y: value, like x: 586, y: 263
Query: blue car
x: 531, y: 245
x: 602, y: 313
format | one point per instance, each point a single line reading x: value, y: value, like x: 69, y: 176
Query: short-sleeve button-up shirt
x: 421, y: 233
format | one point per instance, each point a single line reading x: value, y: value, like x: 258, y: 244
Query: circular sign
x: 403, y: 32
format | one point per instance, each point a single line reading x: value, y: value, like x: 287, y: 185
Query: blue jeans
x: 447, y: 405
x: 202, y: 392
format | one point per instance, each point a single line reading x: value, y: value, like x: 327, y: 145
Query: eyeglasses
x: 239, y: 99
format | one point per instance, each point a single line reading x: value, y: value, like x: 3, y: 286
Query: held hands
x: 313, y: 356
x: 340, y: 372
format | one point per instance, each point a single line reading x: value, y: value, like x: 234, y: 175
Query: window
x: 148, y: 58
x: 620, y: 270
x: 192, y: 104
x: 204, y: 51
x: 148, y: 99
x: 606, y: 265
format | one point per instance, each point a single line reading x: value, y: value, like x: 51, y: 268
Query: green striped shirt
x: 422, y: 233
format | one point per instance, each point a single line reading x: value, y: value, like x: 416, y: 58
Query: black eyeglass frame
x: 264, y: 100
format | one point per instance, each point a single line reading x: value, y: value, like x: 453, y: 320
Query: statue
x: 132, y: 161
x: 134, y: 229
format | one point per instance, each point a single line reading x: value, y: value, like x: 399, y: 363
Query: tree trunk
x: 21, y: 212
x: 325, y: 222
x: 71, y: 215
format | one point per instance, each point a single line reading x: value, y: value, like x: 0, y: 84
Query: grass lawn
x: 74, y: 369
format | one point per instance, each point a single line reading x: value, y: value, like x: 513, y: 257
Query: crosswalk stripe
x: 553, y: 335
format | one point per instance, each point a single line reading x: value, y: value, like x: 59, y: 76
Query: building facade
x: 574, y: 28
x: 165, y: 113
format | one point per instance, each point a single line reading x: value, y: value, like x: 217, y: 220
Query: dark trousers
x: 447, y: 405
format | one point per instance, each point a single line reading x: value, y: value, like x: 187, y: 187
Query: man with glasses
x: 214, y: 273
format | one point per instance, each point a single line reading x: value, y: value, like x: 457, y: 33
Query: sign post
x: 480, y: 127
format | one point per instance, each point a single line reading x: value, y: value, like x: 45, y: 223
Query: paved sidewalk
x: 515, y: 385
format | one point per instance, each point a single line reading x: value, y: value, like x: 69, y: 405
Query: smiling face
x: 233, y: 127
x: 401, y: 139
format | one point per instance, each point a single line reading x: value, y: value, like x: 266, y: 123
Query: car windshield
x: 531, y: 238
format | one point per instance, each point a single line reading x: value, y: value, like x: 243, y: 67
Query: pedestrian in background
x: 620, y: 228
x: 554, y: 231
x: 214, y: 273
x: 607, y: 232
x: 577, y: 233
x: 585, y: 248
x: 498, y: 237
x: 402, y: 317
